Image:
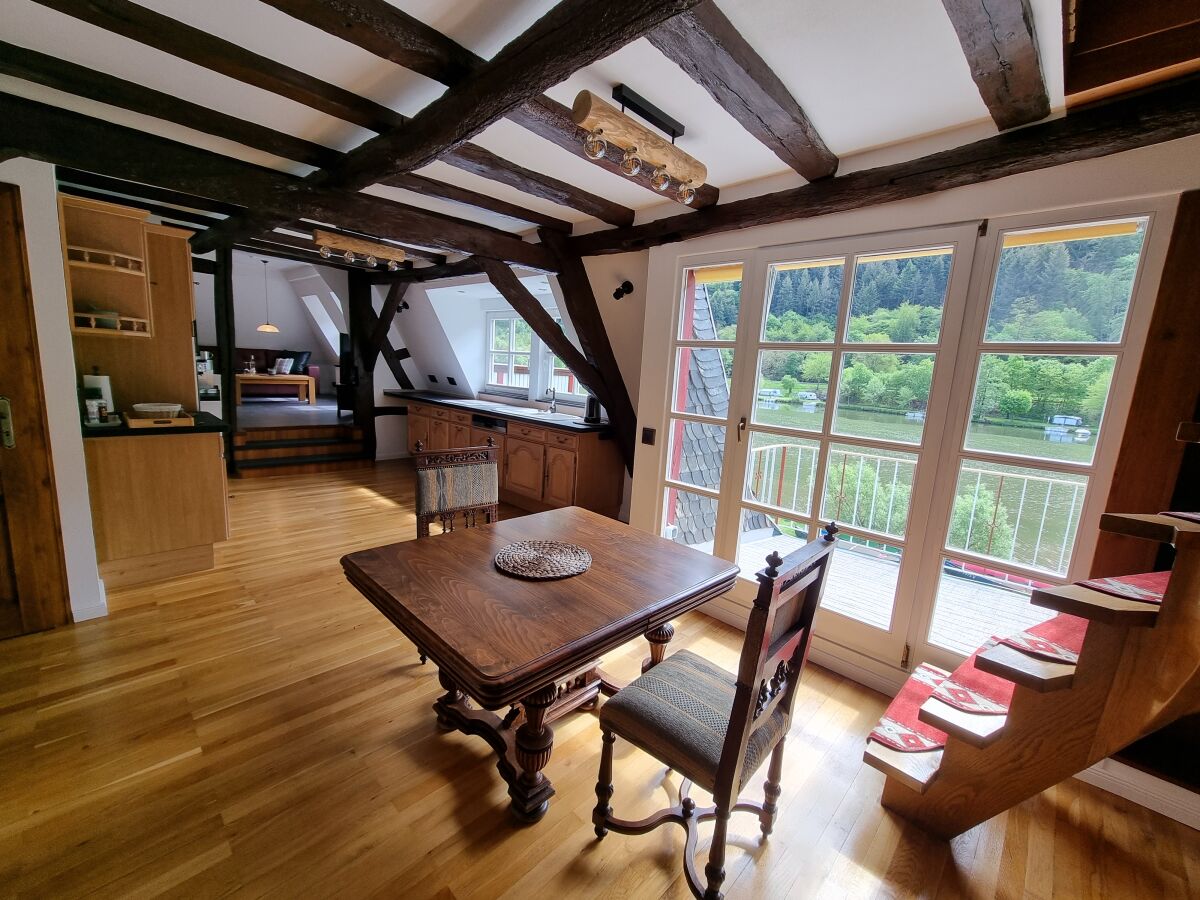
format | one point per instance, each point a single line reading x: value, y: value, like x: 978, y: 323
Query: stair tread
x: 1097, y: 606
x: 1148, y: 526
x: 1189, y: 431
x: 1038, y: 674
x: 976, y: 729
x: 296, y: 442
x: 914, y: 770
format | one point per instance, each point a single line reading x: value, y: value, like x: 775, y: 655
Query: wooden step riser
x: 305, y: 468
x: 342, y: 432
x: 286, y: 452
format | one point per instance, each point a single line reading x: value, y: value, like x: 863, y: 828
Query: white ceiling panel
x: 447, y: 207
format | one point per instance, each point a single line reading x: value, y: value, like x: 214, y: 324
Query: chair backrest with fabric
x: 450, y: 482
x: 778, y: 634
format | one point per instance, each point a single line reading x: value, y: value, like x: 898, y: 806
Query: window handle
x: 741, y: 427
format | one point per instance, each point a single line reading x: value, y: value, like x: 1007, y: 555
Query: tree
x: 975, y: 513
x: 815, y: 368
x: 790, y: 385
x: 1015, y: 404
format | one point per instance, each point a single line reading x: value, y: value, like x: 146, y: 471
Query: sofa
x: 263, y: 361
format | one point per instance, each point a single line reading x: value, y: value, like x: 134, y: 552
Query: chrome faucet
x: 553, y: 400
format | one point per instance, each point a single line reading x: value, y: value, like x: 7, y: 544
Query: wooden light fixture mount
x: 605, y: 124
x: 370, y: 252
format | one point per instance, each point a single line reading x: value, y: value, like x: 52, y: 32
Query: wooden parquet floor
x: 259, y: 730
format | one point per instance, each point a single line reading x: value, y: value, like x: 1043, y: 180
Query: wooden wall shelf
x: 106, y: 260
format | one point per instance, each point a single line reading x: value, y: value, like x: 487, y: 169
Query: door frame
x: 30, y: 495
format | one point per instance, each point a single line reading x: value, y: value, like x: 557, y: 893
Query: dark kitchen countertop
x: 206, y: 423
x: 569, y: 422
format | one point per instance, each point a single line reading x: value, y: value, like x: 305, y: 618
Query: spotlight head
x: 595, y: 146
x: 325, y: 252
x: 372, y: 261
x: 348, y: 256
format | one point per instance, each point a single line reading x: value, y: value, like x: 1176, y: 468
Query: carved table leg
x: 531, y: 791
x: 659, y: 638
x: 451, y: 698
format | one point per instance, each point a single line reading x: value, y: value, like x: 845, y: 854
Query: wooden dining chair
x: 452, y: 483
x: 715, y: 728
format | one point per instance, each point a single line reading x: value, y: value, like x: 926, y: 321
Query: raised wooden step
x: 297, y: 433
x: 1020, y: 668
x: 299, y: 465
x: 1189, y: 432
x: 971, y: 728
x: 1147, y: 526
x: 297, y: 449
x: 1097, y: 606
x: 914, y: 770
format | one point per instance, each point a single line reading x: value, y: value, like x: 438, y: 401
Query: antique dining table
x: 532, y: 646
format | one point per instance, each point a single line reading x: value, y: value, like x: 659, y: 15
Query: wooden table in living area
x: 306, y: 387
x: 502, y: 641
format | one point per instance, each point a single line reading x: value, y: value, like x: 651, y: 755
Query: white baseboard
x: 1146, y: 790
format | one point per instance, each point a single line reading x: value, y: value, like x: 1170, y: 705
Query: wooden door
x: 418, y: 430
x: 33, y: 574
x: 439, y: 434
x: 460, y: 435
x: 560, y: 477
x: 523, y: 467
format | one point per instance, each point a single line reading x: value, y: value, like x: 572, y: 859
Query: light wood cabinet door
x: 479, y: 438
x: 418, y: 430
x: 523, y: 467
x: 460, y: 436
x: 439, y: 434
x: 560, y: 477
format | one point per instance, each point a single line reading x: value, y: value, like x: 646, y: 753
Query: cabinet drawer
x: 460, y: 418
x: 439, y: 412
x: 524, y: 431
x: 416, y: 409
x: 566, y: 441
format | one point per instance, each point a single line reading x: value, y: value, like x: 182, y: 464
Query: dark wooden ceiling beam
x: 430, y: 187
x: 84, y: 82
x: 377, y: 26
x: 145, y: 191
x: 182, y: 217
x: 570, y: 36
x: 62, y: 137
x: 707, y: 46
x: 998, y: 39
x: 282, y: 251
x: 413, y: 252
x: 1136, y: 120
x: 469, y: 266
x: 171, y: 36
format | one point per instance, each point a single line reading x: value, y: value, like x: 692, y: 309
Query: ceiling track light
x: 354, y: 249
x: 605, y: 125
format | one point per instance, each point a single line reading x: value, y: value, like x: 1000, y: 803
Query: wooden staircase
x: 297, y: 450
x: 1138, y: 670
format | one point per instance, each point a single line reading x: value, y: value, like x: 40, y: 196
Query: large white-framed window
x: 519, y: 364
x: 964, y: 436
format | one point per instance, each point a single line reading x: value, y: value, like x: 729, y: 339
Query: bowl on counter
x: 157, y: 410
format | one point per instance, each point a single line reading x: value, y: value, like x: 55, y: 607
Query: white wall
x: 40, y: 211
x: 624, y: 319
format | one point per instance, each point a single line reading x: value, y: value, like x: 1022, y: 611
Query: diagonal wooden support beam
x: 66, y: 138
x: 138, y: 23
x: 999, y: 42
x: 391, y: 305
x: 573, y: 34
x: 379, y: 27
x: 710, y: 49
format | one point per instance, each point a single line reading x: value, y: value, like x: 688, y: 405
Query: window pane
x: 523, y: 335
x: 974, y: 602
x: 1014, y: 514
x: 500, y: 334
x: 884, y: 395
x: 702, y: 381
x: 1067, y: 284
x: 862, y: 580
x: 696, y: 453
x: 563, y: 380
x: 897, y: 298
x: 761, y: 534
x: 1040, y: 406
x: 690, y: 519
x: 499, y: 373
x: 802, y: 300
x: 712, y: 296
x: 868, y: 489
x: 792, y: 387
x: 520, y: 369
x: 780, y: 471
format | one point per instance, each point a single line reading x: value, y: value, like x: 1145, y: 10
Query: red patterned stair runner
x: 1148, y: 588
x: 1057, y: 640
x: 974, y: 691
x: 899, y: 728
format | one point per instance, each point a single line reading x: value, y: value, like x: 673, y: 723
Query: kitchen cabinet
x: 439, y: 434
x: 418, y: 430
x: 559, y: 488
x: 524, y: 467
x: 460, y: 435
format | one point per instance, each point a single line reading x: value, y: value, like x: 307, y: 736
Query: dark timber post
x: 226, y: 345
x: 361, y: 322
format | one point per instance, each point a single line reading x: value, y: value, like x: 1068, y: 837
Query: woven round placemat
x: 543, y: 560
